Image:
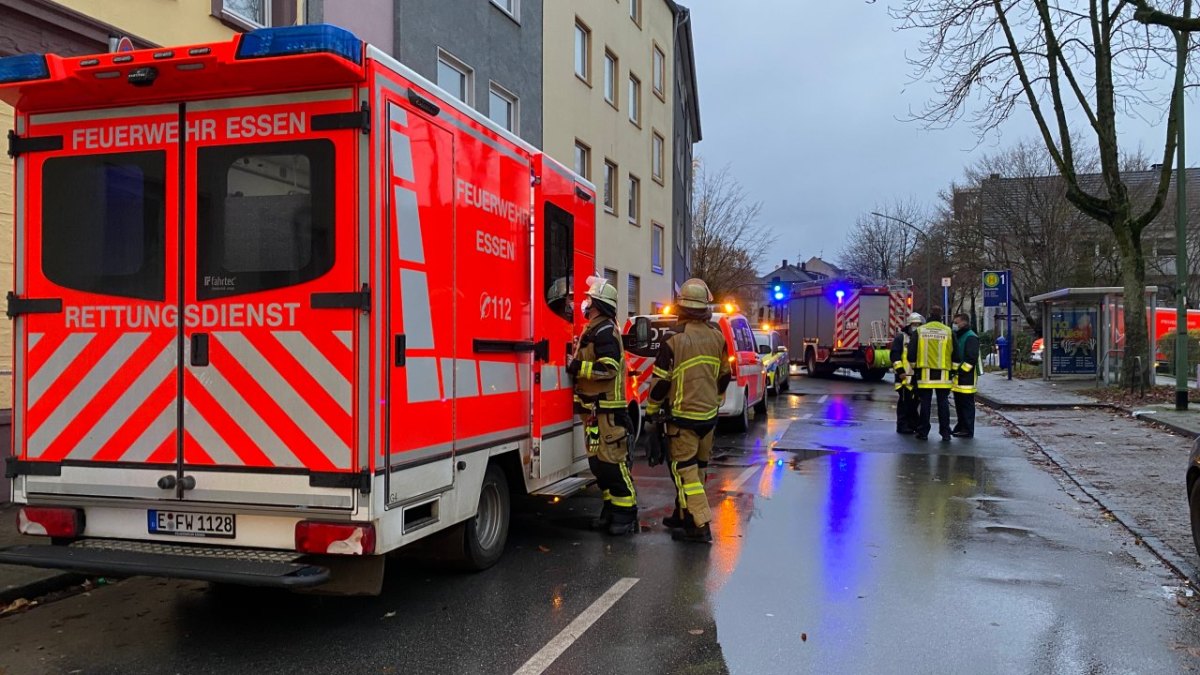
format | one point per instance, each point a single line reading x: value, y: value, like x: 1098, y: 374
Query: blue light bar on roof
x: 291, y: 40
x: 23, y: 67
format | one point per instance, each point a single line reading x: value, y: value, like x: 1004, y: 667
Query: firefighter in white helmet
x: 690, y: 376
x: 907, y: 416
x: 598, y: 366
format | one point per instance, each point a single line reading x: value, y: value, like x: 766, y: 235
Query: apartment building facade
x: 609, y: 73
x: 488, y: 53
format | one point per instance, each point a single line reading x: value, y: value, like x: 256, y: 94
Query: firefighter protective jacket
x: 599, y: 367
x: 932, y: 354
x: 899, y: 356
x: 690, y: 374
x: 966, y: 356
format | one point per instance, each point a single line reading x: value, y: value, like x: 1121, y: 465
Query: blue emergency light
x: 23, y: 67
x: 840, y: 294
x: 778, y: 292
x: 308, y: 39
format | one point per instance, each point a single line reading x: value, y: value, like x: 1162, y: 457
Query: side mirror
x: 641, y: 332
x: 781, y: 348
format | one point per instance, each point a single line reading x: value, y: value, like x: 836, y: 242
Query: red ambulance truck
x: 281, y: 306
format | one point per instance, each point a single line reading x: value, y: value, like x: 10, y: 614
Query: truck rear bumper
x: 248, y: 567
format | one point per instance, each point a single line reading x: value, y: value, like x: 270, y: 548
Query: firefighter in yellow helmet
x: 690, y: 376
x: 598, y: 366
x: 907, y: 410
x: 932, y: 355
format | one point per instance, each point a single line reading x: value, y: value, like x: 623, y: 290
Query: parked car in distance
x: 774, y: 352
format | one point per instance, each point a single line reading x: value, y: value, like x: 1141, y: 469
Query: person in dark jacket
x: 907, y: 407
x: 966, y: 383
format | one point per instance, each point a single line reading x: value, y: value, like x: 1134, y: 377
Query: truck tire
x: 786, y: 385
x: 760, y: 408
x: 810, y: 363
x: 742, y: 421
x: 484, y: 536
x: 873, y: 374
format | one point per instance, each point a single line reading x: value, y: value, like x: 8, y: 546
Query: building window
x: 660, y: 72
x: 657, y: 237
x: 583, y: 160
x: 634, y: 299
x: 611, y: 68
x: 502, y: 107
x: 455, y: 77
x: 657, y: 145
x: 251, y: 14
x: 635, y: 11
x: 583, y: 49
x: 635, y: 199
x: 610, y: 276
x: 610, y: 187
x: 635, y: 99
x: 510, y: 7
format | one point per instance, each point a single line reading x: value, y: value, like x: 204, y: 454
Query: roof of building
x: 789, y: 273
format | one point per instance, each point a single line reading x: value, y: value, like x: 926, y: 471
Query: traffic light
x: 777, y: 289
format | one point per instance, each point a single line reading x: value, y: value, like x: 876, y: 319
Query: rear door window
x: 742, y: 336
x: 265, y: 216
x: 104, y: 223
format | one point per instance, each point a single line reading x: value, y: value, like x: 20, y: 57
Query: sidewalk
x: 25, y: 582
x: 1133, y: 470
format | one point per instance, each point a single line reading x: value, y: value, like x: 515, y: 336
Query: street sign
x: 995, y: 288
x: 125, y: 45
x: 945, y: 282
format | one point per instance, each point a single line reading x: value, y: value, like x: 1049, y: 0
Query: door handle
x: 199, y: 349
x: 400, y: 350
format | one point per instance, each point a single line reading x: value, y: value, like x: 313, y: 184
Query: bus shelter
x: 1084, y: 332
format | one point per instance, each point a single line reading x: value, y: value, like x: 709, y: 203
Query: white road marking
x: 823, y: 398
x: 540, y: 661
x: 742, y: 478
x: 809, y: 416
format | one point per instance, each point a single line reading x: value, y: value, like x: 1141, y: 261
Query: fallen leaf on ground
x: 697, y: 631
x: 16, y: 606
x: 543, y: 549
x: 804, y: 637
x: 389, y: 615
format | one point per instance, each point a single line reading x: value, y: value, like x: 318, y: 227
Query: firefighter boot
x: 624, y: 521
x: 700, y: 535
x: 602, y: 521
x: 677, y: 520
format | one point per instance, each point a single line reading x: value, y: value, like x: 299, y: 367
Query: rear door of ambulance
x: 193, y: 304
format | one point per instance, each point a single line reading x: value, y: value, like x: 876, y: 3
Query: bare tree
x: 728, y: 242
x: 1051, y: 56
x: 878, y: 247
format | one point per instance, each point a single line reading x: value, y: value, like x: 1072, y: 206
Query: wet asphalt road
x: 841, y: 548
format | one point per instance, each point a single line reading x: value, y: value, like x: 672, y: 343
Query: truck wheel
x: 873, y: 374
x: 760, y: 408
x: 786, y: 385
x: 484, y: 536
x: 810, y: 363
x: 742, y: 421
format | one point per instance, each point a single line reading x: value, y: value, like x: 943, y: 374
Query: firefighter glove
x: 656, y: 447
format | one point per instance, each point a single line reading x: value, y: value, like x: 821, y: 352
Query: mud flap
x: 349, y: 575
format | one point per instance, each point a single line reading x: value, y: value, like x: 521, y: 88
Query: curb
x: 41, y: 587
x: 1000, y: 405
x: 1149, y: 417
x: 1175, y: 562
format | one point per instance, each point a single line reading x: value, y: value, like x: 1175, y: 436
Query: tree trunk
x: 1133, y: 277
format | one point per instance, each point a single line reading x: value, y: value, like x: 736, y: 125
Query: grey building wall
x: 686, y: 132
x: 497, y: 47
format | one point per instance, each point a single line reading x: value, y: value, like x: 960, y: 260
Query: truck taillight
x: 44, y: 521
x: 337, y: 538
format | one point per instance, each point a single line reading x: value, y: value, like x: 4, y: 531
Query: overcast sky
x: 806, y: 101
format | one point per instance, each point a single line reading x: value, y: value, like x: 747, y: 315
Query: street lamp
x: 928, y: 257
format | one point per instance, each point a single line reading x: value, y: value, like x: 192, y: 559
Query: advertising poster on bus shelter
x: 1073, y: 341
